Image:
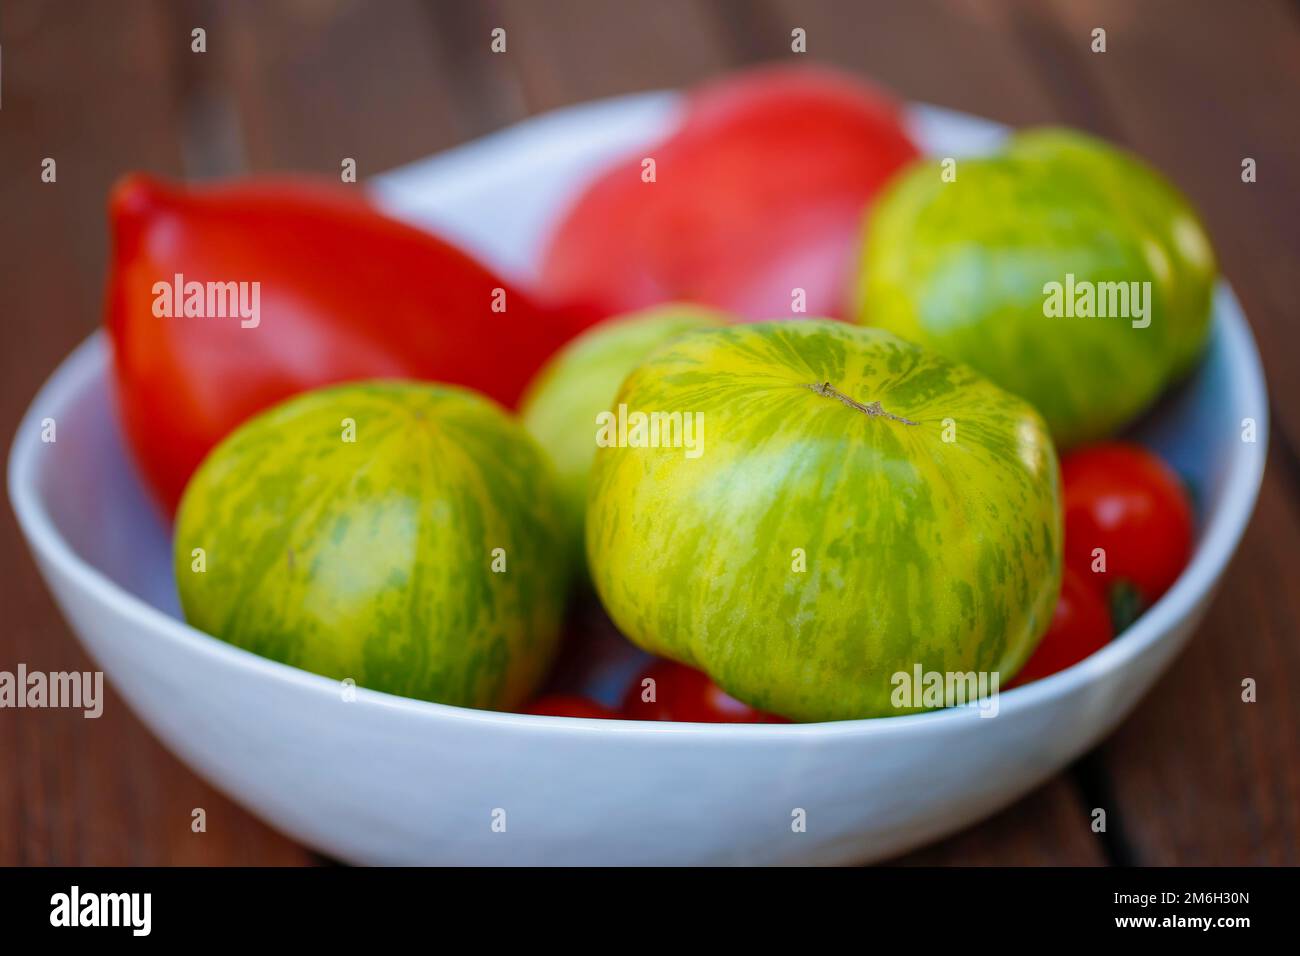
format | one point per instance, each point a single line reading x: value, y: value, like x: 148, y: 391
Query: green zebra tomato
x: 1062, y: 268
x: 858, y: 506
x: 403, y: 535
x: 561, y: 404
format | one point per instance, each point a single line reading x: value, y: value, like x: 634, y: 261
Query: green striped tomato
x: 423, y: 557
x: 859, y: 506
x: 967, y: 266
x: 562, y: 402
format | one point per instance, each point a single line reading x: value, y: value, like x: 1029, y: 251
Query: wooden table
x: 1194, y: 776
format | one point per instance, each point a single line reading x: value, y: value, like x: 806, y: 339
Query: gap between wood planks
x: 212, y: 143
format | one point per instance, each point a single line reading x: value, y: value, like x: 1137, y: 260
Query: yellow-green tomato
x: 1062, y: 268
x: 813, y: 512
x: 404, y: 536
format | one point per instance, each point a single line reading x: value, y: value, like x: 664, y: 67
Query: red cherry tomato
x: 1123, y: 499
x: 761, y: 190
x: 1080, y: 626
x: 570, y: 705
x: 683, y: 694
x: 343, y: 292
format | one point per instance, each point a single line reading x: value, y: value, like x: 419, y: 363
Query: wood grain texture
x: 572, y: 50
x: 1050, y: 827
x: 963, y: 55
x: 1194, y: 776
x: 93, y: 87
x: 299, y: 86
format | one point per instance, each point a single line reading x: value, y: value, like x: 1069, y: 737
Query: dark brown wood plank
x: 567, y: 51
x: 301, y: 86
x: 90, y: 85
x: 1050, y: 827
x: 962, y: 55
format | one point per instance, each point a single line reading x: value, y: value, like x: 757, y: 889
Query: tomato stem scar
x: 871, y: 408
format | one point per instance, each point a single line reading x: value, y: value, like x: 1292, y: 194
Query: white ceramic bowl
x: 381, y: 779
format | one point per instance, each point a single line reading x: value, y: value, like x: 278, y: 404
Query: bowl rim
x: 1215, y: 546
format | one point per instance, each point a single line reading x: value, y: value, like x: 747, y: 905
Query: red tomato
x: 684, y: 694
x: 1080, y: 626
x: 1123, y: 499
x: 343, y: 293
x: 761, y: 190
x: 570, y: 705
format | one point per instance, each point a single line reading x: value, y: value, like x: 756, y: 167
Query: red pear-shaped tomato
x: 225, y: 300
x: 760, y: 191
